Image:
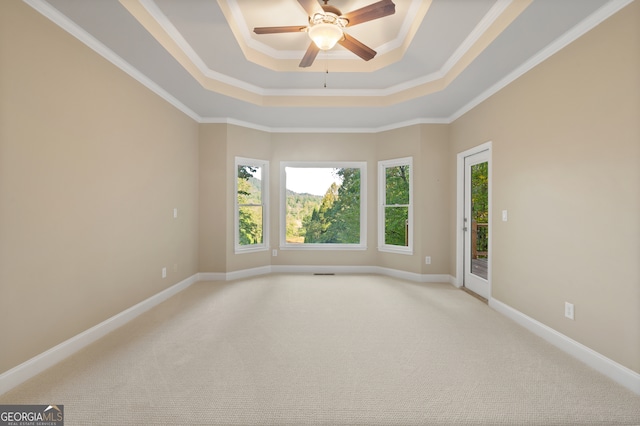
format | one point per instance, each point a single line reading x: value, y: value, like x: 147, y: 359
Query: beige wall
x: 429, y: 146
x: 426, y: 144
x: 434, y: 215
x: 92, y: 165
x: 566, y: 166
x: 400, y: 143
x: 327, y: 147
x: 214, y: 180
x: 248, y: 143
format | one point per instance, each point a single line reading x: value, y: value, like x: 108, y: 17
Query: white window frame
x: 264, y: 165
x: 382, y: 192
x: 362, y: 165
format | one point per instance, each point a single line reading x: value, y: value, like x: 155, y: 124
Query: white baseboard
x: 212, y: 276
x: 28, y: 369
x: 247, y: 273
x: 617, y: 372
x: 412, y: 276
x: 331, y: 269
x: 234, y: 275
x: 320, y: 269
x: 454, y: 281
x: 21, y: 373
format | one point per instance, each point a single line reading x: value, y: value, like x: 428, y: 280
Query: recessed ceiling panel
x: 190, y: 53
x: 187, y: 30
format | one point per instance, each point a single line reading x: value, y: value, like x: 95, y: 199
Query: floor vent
x: 323, y: 273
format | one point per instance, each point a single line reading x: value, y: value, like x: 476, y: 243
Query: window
x: 395, y: 215
x: 323, y: 206
x: 251, y: 189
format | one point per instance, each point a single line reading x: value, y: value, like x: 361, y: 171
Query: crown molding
x: 372, y: 130
x: 45, y: 9
x: 149, y: 15
x: 343, y: 61
x: 176, y: 36
x: 602, y: 14
x: 76, y: 31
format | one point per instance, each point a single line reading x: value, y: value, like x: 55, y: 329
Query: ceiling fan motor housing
x: 326, y: 28
x: 328, y: 17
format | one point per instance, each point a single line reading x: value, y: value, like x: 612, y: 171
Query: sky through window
x: 310, y: 180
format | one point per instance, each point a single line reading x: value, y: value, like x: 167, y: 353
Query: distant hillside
x: 299, y: 206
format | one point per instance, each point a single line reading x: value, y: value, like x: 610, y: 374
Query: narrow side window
x: 251, y: 186
x: 395, y: 200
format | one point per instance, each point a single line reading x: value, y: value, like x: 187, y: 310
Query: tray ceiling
x: 436, y: 58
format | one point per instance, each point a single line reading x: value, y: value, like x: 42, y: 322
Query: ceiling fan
x: 326, y: 27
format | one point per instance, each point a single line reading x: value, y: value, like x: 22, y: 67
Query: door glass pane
x: 480, y: 219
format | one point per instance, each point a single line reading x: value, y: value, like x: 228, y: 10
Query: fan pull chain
x: 326, y: 73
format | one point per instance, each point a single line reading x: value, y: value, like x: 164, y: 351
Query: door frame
x: 487, y: 146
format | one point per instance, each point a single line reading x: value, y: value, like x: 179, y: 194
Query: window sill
x: 250, y: 249
x: 323, y: 247
x: 397, y: 250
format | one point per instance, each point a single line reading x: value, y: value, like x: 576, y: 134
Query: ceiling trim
x: 497, y: 20
x: 87, y: 39
x: 341, y: 61
x: 380, y: 129
x: 48, y: 11
x: 166, y: 25
x: 593, y: 20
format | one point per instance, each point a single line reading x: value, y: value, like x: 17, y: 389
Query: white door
x: 476, y: 223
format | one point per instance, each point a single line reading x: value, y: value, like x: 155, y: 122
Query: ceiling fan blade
x: 365, y: 52
x: 310, y: 56
x: 310, y: 6
x: 276, y: 30
x: 371, y: 12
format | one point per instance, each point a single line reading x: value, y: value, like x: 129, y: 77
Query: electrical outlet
x: 274, y: 252
x: 164, y: 272
x: 568, y: 310
x: 427, y: 260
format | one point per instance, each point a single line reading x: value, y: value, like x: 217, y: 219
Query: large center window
x: 323, y: 206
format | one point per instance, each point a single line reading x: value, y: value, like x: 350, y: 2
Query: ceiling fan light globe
x: 325, y: 36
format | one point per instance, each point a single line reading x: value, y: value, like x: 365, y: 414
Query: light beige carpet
x: 326, y: 350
